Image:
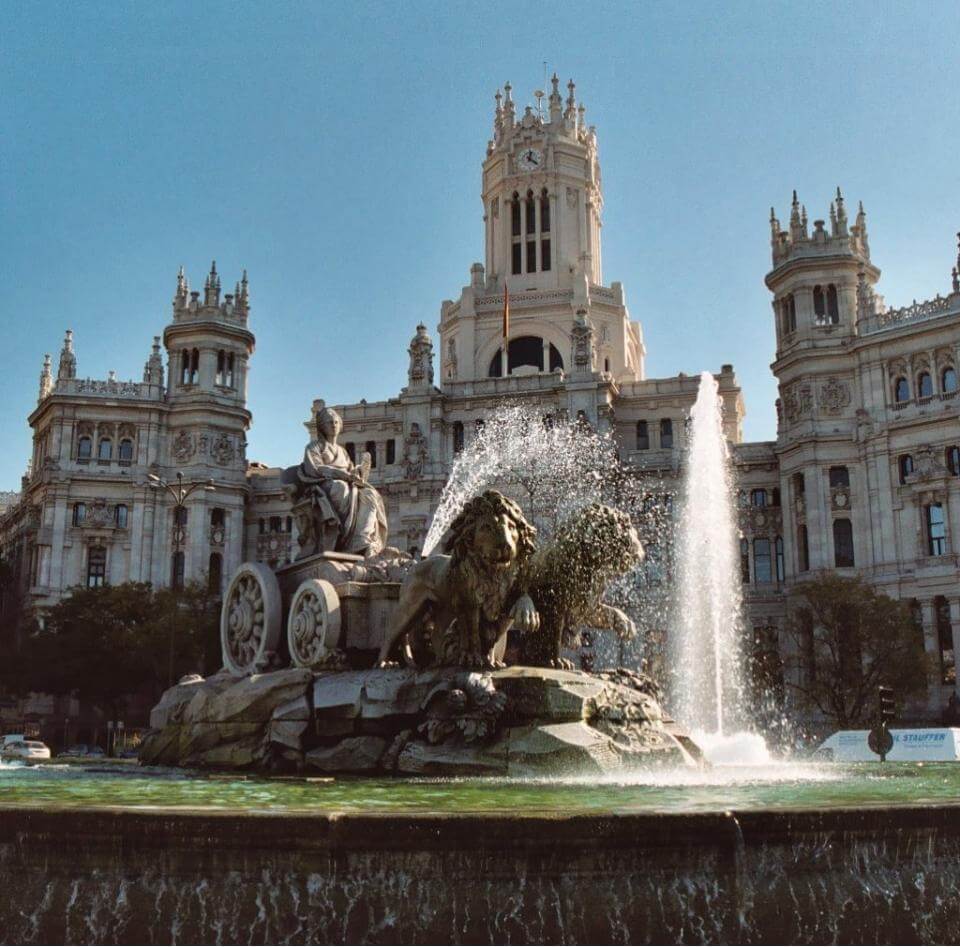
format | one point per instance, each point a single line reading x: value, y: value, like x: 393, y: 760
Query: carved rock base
x: 516, y: 722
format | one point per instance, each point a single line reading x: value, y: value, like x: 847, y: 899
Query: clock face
x: 530, y: 159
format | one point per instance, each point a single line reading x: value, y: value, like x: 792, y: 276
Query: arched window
x: 496, y: 365
x: 531, y: 216
x: 184, y: 367
x: 96, y: 567
x: 643, y: 436
x: 948, y: 380
x: 217, y: 517
x: 79, y: 513
x: 762, y: 571
x: 194, y: 366
x: 104, y: 450
x: 924, y: 385
x: 799, y: 485
x: 457, y: 436
x: 371, y: 448
x: 905, y: 466
x: 230, y: 363
x: 84, y: 449
x: 843, y: 543
x: 819, y: 305
x: 351, y: 450
x: 120, y: 516
x: 936, y: 530
x: 953, y: 460
x: 221, y: 378
x: 803, y: 548
x: 181, y: 516
x: 775, y: 499
x: 778, y: 546
x: 177, y: 563
x: 758, y: 498
x: 391, y: 451
x: 526, y: 350
x: 948, y: 666
x: 833, y: 308
x: 517, y: 245
x: 126, y: 451
x: 215, y: 572
x: 544, y: 231
x: 666, y: 433
x: 901, y: 390
x: 744, y: 561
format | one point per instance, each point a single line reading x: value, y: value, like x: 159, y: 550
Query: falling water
x: 707, y: 655
x: 549, y: 465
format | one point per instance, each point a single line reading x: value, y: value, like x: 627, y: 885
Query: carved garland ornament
x: 250, y: 621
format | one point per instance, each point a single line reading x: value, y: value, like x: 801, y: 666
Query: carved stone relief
x: 834, y: 396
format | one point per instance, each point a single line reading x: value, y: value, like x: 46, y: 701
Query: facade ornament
x: 221, y: 450
x: 183, y: 446
x: 928, y: 465
x: 421, y: 359
x: 584, y: 354
x: 451, y: 359
x: 834, y: 396
x: 797, y: 401
x: 414, y: 452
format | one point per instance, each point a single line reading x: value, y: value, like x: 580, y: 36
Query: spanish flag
x: 506, y: 310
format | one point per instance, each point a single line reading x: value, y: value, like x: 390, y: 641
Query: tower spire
x: 556, y: 100
x: 68, y: 360
x: 46, y: 377
x: 841, y: 216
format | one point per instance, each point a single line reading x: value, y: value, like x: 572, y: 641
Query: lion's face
x: 492, y: 530
x: 495, y: 540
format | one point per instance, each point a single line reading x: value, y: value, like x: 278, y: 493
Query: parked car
x: 27, y: 751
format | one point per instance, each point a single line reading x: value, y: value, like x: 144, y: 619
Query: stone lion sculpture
x: 568, y: 578
x: 456, y: 609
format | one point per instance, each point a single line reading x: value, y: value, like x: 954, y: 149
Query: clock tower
x: 541, y: 194
x: 542, y: 204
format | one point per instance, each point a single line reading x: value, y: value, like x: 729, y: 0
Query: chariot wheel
x: 251, y: 618
x: 313, y: 625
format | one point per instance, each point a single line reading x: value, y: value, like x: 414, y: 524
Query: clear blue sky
x: 334, y: 150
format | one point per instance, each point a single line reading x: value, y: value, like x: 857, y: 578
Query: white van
x: 927, y: 745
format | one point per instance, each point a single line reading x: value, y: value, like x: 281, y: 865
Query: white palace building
x: 863, y: 478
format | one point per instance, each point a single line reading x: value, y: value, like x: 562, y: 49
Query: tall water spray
x: 707, y: 653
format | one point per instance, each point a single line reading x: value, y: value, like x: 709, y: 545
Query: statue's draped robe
x: 359, y: 508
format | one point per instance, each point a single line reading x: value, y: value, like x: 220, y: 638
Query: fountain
x: 708, y: 660
x: 450, y: 799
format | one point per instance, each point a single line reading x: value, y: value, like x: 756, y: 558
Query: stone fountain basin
x: 519, y: 721
x: 122, y: 876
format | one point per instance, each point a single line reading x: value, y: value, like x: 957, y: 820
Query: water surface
x: 778, y: 785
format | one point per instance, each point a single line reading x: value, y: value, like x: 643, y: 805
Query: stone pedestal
x: 516, y: 722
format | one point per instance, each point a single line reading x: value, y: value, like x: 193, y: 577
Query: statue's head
x: 326, y: 421
x: 492, y: 529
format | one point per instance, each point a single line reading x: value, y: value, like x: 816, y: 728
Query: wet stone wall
x: 128, y: 877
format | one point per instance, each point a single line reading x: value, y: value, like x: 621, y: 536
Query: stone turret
x: 821, y: 279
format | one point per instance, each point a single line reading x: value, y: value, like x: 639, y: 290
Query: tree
x: 105, y: 644
x: 848, y: 639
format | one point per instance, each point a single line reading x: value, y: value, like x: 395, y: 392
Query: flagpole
x: 506, y: 328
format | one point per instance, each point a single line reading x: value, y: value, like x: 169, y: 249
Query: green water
x: 807, y: 785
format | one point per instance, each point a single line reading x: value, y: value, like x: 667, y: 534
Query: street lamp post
x: 179, y: 493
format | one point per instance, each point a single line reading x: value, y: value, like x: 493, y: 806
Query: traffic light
x: 885, y: 699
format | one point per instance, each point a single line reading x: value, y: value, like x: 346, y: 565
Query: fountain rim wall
x: 198, y: 830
